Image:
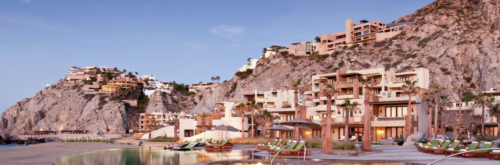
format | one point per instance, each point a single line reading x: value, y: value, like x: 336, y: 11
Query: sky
x: 185, y: 41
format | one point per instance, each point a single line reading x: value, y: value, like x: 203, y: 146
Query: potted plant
x: 400, y: 140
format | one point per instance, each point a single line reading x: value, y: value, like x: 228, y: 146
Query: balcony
x: 388, y: 121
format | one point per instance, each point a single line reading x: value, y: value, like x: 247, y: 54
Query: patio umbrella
x: 203, y: 129
x: 300, y: 123
x: 280, y: 128
x: 226, y: 128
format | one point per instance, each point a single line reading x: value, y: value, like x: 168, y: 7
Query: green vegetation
x: 284, y: 53
x: 103, y: 97
x: 163, y: 139
x: 245, y: 74
x: 412, y: 37
x: 431, y: 59
x: 408, y: 56
x: 88, y: 140
x: 88, y: 97
x: 354, y: 46
x: 233, y: 87
x: 487, y: 138
x: 318, y: 57
x: 423, y: 42
x: 462, y: 42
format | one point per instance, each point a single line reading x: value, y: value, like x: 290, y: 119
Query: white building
x: 252, y: 64
x: 155, y: 85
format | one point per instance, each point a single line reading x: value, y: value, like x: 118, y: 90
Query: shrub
x: 487, y: 138
x: 408, y: 56
x: 411, y: 37
x: 365, y: 44
x: 88, y: 96
x: 354, y: 46
x: 461, y: 42
x: 423, y: 42
x: 444, y: 69
x: 284, y: 53
x: 102, y: 98
x: 431, y: 59
x: 233, y: 87
x: 163, y: 139
x: 245, y: 74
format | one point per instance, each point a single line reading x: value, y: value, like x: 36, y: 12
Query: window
x: 366, y: 32
x: 396, y: 111
x: 401, y: 28
x: 311, y: 117
x: 357, y: 34
x: 324, y: 41
x: 366, y: 26
x: 357, y: 28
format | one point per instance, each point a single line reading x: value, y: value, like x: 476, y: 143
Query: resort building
x: 390, y: 116
x: 202, y: 86
x: 355, y: 33
x: 302, y: 48
x: 490, y: 122
x: 153, y: 86
x: 273, y: 49
x: 115, y: 84
x: 252, y: 63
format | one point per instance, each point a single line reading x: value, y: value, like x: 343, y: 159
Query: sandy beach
x: 45, y: 153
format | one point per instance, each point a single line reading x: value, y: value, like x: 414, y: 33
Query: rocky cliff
x: 60, y: 107
x: 66, y: 107
x: 457, y: 40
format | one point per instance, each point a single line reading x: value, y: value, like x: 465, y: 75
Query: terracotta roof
x: 123, y: 79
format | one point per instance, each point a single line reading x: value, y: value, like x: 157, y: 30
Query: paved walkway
x: 408, y: 154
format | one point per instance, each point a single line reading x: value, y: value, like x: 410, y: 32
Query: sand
x: 45, y: 153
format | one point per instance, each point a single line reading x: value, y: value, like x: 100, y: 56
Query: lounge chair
x: 188, y: 147
x: 224, y: 145
x: 341, y: 138
x: 453, y: 146
x: 435, y: 144
x: 483, y: 153
x: 266, y: 147
x: 441, y: 148
x: 289, y: 146
x: 297, y: 150
x: 494, y: 154
x: 472, y: 146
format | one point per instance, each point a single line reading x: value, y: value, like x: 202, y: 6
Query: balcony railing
x: 389, y: 118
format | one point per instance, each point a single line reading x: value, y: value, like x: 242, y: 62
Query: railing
x: 346, y: 94
x: 349, y: 82
x: 389, y: 118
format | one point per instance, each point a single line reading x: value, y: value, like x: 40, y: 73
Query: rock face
x: 457, y: 40
x: 173, y: 102
x: 64, y: 108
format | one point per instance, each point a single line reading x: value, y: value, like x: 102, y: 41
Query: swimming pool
x: 145, y: 156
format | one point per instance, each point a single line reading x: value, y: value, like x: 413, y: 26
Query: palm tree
x: 267, y: 116
x: 317, y: 39
x: 410, y: 88
x: 459, y: 91
x: 329, y: 91
x: 437, y: 91
x: 295, y: 85
x: 429, y: 98
x: 241, y: 108
x: 136, y: 73
x: 495, y: 111
x: 213, y: 78
x: 484, y: 100
x: 217, y: 78
x: 445, y: 102
x: 348, y: 107
x: 264, y: 50
x: 203, y: 116
x: 251, y: 108
x: 175, y: 122
x: 367, y: 83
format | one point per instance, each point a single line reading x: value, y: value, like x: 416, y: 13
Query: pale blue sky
x: 185, y: 41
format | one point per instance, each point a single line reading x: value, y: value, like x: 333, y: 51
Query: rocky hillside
x: 61, y: 107
x: 457, y: 40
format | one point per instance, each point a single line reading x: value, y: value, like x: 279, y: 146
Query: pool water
x: 11, y: 145
x: 145, y: 156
